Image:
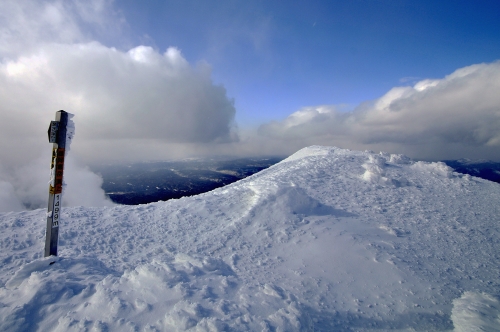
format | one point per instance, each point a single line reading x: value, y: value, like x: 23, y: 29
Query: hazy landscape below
x: 486, y: 169
x: 141, y: 183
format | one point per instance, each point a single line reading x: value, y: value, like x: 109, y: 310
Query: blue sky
x: 274, y: 57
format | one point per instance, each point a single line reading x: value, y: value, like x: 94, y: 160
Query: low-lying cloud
x: 454, y: 117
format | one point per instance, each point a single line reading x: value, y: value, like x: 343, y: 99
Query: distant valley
x: 141, y: 183
x: 485, y: 169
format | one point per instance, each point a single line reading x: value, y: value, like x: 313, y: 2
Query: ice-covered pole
x: 57, y: 136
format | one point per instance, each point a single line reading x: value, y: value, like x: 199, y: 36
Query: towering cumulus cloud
x: 457, y: 116
x: 117, y: 97
x: 127, y: 104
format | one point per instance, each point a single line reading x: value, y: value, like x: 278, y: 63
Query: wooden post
x: 57, y: 136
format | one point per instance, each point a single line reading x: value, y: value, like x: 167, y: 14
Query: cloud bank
x: 454, y: 117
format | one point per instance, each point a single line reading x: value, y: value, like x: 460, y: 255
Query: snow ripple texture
x: 327, y: 240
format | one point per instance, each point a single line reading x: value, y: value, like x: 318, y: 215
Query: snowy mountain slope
x: 328, y: 239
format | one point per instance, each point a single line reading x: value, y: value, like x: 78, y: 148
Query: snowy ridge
x: 328, y: 239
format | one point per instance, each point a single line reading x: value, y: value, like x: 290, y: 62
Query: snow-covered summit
x: 328, y: 239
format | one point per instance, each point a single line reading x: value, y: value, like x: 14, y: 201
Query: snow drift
x: 328, y: 239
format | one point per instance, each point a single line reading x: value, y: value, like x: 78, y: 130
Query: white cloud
x: 25, y: 25
x: 136, y: 94
x: 457, y: 116
x: 9, y: 201
x: 83, y: 187
x: 30, y: 185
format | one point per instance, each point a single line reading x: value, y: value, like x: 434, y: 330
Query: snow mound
x: 328, y: 239
x: 439, y: 168
x: 311, y: 151
x: 476, y: 312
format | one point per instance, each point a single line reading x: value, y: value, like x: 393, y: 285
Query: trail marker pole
x: 57, y: 136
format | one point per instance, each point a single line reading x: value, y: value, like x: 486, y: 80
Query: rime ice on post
x: 60, y: 133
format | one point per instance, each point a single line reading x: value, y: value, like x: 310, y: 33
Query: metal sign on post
x: 57, y: 136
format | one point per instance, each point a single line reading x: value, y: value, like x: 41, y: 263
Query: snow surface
x: 326, y: 240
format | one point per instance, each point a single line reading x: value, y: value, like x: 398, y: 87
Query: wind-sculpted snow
x: 326, y: 240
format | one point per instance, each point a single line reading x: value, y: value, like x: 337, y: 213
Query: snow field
x: 328, y: 239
